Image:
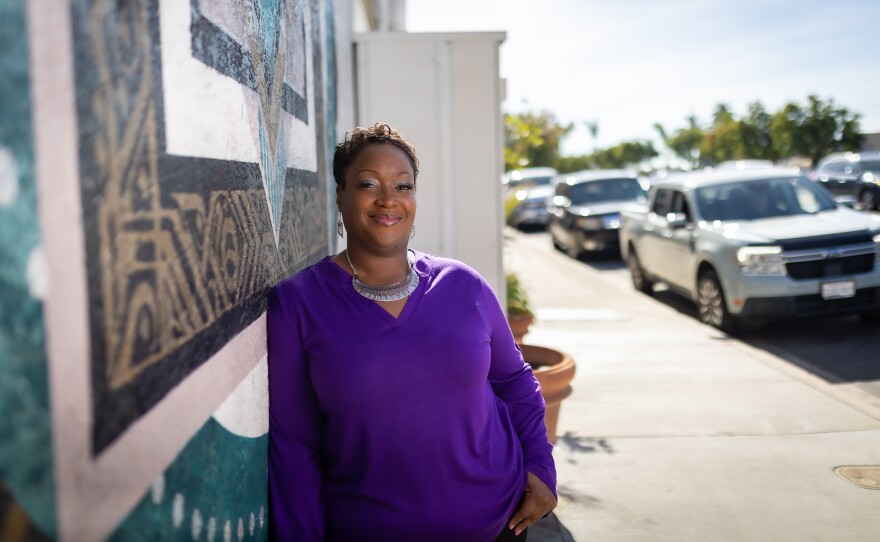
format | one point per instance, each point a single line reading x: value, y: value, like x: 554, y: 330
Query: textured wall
x: 162, y: 162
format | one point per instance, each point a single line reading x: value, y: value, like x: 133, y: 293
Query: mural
x: 175, y: 158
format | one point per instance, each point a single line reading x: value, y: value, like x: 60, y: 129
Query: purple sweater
x: 421, y: 427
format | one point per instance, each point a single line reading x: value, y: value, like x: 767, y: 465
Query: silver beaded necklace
x: 393, y: 292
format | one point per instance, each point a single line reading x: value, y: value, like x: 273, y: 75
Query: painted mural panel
x: 180, y: 160
x: 26, y: 485
x: 184, y: 245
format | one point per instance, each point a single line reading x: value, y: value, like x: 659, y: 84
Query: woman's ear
x: 339, y: 198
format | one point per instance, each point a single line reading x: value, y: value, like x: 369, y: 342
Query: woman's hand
x: 538, y: 501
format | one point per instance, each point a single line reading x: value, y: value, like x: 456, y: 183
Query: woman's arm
x: 515, y: 384
x: 295, y: 506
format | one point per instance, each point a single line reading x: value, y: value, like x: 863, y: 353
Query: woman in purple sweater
x: 400, y: 407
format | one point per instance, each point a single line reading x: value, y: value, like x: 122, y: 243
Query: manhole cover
x: 866, y: 477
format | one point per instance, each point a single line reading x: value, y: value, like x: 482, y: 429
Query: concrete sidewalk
x: 677, y: 432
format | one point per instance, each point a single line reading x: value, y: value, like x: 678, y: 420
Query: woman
x: 400, y: 406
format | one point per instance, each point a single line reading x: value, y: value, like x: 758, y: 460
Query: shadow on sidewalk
x: 838, y: 350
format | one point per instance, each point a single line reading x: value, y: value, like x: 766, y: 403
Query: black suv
x: 851, y: 175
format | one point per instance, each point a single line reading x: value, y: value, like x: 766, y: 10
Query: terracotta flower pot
x: 554, y: 371
x: 519, y: 325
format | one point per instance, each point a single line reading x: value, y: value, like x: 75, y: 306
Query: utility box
x: 443, y: 92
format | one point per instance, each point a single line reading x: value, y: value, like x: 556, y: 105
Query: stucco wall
x: 162, y: 163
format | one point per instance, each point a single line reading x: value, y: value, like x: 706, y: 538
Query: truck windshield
x: 756, y: 199
x: 606, y: 190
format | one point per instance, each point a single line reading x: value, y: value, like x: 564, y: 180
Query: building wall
x: 164, y: 163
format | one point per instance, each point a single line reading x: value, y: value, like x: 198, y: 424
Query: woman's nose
x: 387, y: 196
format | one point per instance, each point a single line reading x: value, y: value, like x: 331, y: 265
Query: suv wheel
x: 711, y: 307
x: 867, y: 200
x: 640, y: 282
x: 574, y: 246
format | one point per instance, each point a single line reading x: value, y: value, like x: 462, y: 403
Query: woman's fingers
x: 538, y: 501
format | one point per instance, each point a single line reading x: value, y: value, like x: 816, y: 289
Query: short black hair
x: 355, y: 141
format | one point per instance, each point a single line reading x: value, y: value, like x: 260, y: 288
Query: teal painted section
x: 25, y: 424
x: 273, y: 172
x: 267, y: 14
x: 218, y: 482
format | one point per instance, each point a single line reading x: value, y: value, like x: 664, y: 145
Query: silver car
x: 755, y: 245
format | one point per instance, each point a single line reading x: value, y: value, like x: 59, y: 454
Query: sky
x: 628, y: 64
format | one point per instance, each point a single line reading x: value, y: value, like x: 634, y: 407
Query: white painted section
x: 157, y: 489
x: 177, y: 510
x: 246, y: 411
x: 8, y: 177
x: 37, y: 273
x: 209, y: 115
x: 196, y: 526
x: 443, y: 92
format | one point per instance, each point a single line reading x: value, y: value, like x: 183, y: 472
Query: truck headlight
x: 611, y: 222
x: 877, y: 249
x: 760, y: 261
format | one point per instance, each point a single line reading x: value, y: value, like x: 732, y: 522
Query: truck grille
x: 831, y: 268
x: 829, y: 256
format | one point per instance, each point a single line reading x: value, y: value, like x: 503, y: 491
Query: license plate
x: 838, y: 290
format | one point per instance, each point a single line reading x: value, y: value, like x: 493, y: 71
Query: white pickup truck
x: 754, y: 245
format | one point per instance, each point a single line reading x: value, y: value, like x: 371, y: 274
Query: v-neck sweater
x: 421, y: 427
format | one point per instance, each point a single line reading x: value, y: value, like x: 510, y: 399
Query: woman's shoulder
x: 306, y: 278
x: 441, y: 267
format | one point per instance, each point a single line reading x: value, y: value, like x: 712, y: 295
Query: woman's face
x: 378, y: 203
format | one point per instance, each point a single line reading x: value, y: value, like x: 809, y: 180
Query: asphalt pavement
x: 677, y: 432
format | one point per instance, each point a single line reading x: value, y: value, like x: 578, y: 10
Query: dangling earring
x: 412, y: 232
x: 339, y: 228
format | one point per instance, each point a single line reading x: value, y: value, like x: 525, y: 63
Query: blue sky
x: 630, y: 63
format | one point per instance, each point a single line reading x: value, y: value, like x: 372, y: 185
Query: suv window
x: 832, y: 168
x: 662, y: 202
x: 680, y: 205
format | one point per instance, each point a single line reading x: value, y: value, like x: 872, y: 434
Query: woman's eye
x: 366, y: 184
x: 406, y: 186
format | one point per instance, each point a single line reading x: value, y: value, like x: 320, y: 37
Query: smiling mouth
x: 386, y: 220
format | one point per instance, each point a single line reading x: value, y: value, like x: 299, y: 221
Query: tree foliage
x: 532, y: 140
x: 811, y: 130
x: 815, y: 129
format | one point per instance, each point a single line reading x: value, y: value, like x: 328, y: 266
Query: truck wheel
x: 640, y: 282
x: 711, y: 307
x: 867, y: 200
x: 574, y: 247
x: 555, y: 241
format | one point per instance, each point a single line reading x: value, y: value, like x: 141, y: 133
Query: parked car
x: 754, y: 245
x: 584, y: 214
x: 851, y: 177
x: 530, y: 209
x: 528, y: 177
x: 516, y: 186
x: 744, y: 164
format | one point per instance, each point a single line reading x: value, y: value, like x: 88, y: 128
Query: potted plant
x: 554, y: 371
x: 519, y: 312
